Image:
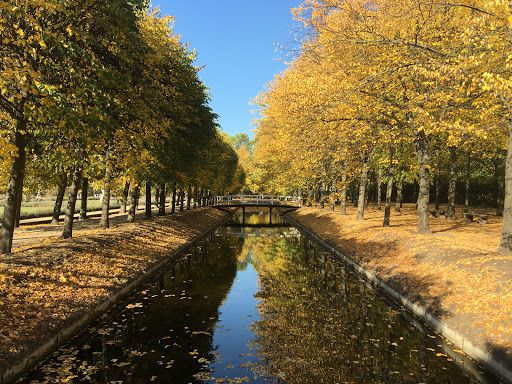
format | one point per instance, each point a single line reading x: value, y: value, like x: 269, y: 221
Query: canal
x: 256, y: 304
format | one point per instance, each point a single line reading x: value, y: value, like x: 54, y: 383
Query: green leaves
x: 105, y: 76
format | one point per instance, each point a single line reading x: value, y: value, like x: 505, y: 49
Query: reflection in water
x: 321, y: 324
x: 253, y: 305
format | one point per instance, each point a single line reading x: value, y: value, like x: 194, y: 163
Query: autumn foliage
x: 391, y: 94
x: 103, y: 93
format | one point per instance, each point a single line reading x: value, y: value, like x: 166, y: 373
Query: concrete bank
x: 502, y: 370
x: 12, y: 369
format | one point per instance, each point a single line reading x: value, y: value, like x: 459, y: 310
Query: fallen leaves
x: 456, y: 271
x: 41, y: 288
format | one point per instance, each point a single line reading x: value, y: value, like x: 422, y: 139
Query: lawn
x: 44, y: 207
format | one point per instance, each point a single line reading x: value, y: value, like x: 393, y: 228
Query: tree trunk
x: 317, y: 195
x: 173, y: 203
x: 500, y: 188
x: 163, y: 196
x: 452, y: 185
x: 199, y: 199
x: 367, y: 191
x: 15, y: 183
x: 399, y: 195
x: 389, y: 193
x: 105, y: 206
x: 379, y: 190
x: 389, y: 189
x: 83, y: 202
x: 105, y: 203
x: 343, y: 192
x: 311, y: 196
x: 189, y: 197
x: 468, y: 185
x: 19, y: 199
x: 134, y: 201
x: 423, y: 153
x: 363, y: 182
x: 148, y: 207
x: 332, y: 198
x: 157, y: 197
x: 205, y: 197
x: 124, y: 200
x: 59, y: 199
x: 506, y: 233
x: 67, y: 231
x: 182, y: 199
x: 195, y: 198
x: 438, y: 190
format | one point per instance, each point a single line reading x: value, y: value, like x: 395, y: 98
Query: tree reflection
x: 320, y: 324
x: 163, y: 335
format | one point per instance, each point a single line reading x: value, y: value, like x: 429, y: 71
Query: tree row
x: 395, y: 96
x: 102, y: 93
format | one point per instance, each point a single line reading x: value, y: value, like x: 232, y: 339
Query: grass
x: 42, y: 208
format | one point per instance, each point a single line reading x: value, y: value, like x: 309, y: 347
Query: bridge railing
x: 237, y: 200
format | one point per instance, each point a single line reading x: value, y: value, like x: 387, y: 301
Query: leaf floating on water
x: 201, y: 333
x: 135, y: 305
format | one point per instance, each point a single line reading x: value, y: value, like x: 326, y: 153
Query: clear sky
x: 237, y: 42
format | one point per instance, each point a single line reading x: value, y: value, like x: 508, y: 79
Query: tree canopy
x: 106, y: 91
x: 397, y: 92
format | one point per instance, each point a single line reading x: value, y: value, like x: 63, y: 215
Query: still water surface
x: 255, y: 305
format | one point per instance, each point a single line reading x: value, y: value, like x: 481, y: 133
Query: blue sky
x: 237, y: 42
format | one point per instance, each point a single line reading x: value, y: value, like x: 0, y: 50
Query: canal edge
x: 12, y: 373
x: 457, y: 339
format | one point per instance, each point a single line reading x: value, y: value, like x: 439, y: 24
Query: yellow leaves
x: 372, y: 81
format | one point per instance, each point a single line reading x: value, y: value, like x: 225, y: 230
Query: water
x: 255, y: 305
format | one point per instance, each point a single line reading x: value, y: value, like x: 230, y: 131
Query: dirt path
x: 32, y: 232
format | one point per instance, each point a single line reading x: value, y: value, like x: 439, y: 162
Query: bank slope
x: 454, y: 275
x: 48, y: 292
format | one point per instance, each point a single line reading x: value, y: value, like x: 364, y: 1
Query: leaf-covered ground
x: 455, y: 271
x: 47, y: 286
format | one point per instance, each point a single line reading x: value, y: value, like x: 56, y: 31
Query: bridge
x: 257, y: 201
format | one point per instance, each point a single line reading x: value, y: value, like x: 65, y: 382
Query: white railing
x: 257, y: 200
